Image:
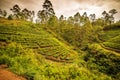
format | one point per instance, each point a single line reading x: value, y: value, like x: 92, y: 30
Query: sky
x: 67, y: 7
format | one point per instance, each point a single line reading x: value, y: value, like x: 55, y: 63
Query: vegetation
x: 23, y: 56
x: 77, y: 48
x: 31, y: 36
x: 106, y: 61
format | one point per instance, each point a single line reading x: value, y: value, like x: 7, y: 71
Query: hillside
x: 34, y: 37
x: 106, y: 54
x: 31, y: 51
x: 42, y: 40
x: 98, y: 45
x: 111, y: 37
x: 7, y: 75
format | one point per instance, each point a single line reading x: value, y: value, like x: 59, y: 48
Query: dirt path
x: 7, y: 75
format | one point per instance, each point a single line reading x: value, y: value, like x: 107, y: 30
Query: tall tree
x: 0, y: 11
x: 113, y: 11
x: 92, y: 17
x: 47, y: 12
x: 109, y: 18
x: 104, y: 13
x: 71, y: 20
x: 41, y: 15
x: 105, y: 17
x: 17, y: 11
x: 84, y: 18
x: 84, y: 14
x: 3, y: 13
x: 48, y: 8
x: 27, y: 14
x: 61, y: 18
x: 77, y: 18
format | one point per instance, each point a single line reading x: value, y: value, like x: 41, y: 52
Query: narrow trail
x: 7, y: 75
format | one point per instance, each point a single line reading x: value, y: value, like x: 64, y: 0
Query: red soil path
x: 7, y: 75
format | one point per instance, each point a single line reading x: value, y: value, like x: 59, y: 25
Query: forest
x: 41, y: 46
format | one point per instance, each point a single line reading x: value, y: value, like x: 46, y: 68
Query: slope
x: 21, y: 46
x: 111, y: 37
x: 34, y: 37
x: 105, y: 55
x: 7, y: 75
x: 99, y: 45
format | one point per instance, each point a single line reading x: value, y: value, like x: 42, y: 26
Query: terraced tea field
x: 111, y: 38
x: 35, y: 37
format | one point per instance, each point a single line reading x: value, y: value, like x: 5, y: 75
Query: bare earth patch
x: 7, y: 75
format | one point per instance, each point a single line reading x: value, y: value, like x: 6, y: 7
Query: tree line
x: 47, y: 12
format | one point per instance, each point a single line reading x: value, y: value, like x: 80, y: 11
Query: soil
x: 5, y: 74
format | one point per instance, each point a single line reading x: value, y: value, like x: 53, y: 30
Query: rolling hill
x: 106, y: 54
x: 31, y: 51
x: 34, y: 37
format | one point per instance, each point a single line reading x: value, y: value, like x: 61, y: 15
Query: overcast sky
x: 67, y: 7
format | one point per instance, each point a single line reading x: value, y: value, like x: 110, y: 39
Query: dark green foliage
x: 47, y: 12
x: 3, y: 13
x: 81, y: 37
x: 112, y: 27
x: 109, y: 18
x: 10, y: 17
x: 105, y: 61
x: 61, y: 18
x: 27, y: 14
x: 17, y: 11
x: 34, y: 67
